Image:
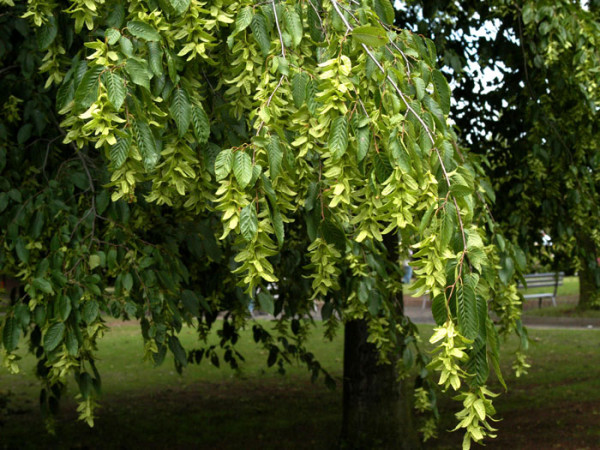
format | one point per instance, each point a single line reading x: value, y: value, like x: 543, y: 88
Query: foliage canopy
x: 170, y: 160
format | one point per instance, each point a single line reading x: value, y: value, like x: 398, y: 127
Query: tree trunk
x: 589, y: 291
x: 377, y: 407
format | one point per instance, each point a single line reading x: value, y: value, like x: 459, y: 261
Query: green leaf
x: 87, y: 91
x: 190, y: 302
x: 115, y: 88
x: 177, y: 350
x: 142, y: 30
x: 467, y: 307
x: 299, y: 81
x: 200, y: 124
x: 242, y: 168
x: 260, y: 33
x: 315, y: 27
x: 126, y: 46
x: 333, y: 234
x: 243, y: 19
x: 10, y: 334
x: 249, y: 222
x: 275, y: 156
x: 155, y: 55
x: 181, y: 110
x: 266, y: 302
x: 54, y: 336
x: 139, y: 72
x: 363, y: 142
x: 145, y: 142
x: 277, y: 222
x: 400, y: 155
x: 461, y: 190
x: 63, y: 307
x: 42, y: 284
x: 71, y: 343
x: 112, y: 36
x: 22, y: 251
x: 370, y: 35
x: 47, y: 33
x: 442, y: 90
x: 338, y: 137
x: 293, y: 24
x: 223, y: 164
x: 120, y: 151
x: 90, y: 311
x: 439, y: 310
x: 179, y: 6
x: 128, y: 281
x: 507, y: 269
x: 65, y: 94
x: 93, y: 261
x: 448, y: 225
x: 385, y: 11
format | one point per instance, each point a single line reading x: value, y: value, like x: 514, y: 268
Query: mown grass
x: 210, y: 408
x: 570, y: 286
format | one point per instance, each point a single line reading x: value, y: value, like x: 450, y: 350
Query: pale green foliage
x: 274, y: 117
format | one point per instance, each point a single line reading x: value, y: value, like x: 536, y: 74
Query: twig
x: 278, y: 28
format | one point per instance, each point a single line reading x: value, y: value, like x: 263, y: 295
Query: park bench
x: 543, y: 280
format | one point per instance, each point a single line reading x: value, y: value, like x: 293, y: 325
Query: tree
x: 206, y: 154
x: 536, y: 123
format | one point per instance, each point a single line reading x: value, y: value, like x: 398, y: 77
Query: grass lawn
x: 569, y: 287
x: 210, y: 408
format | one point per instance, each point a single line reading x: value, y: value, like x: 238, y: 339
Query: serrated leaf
x: 385, y: 11
x: 448, y: 225
x: 275, y: 156
x: 442, y: 89
x: 179, y: 6
x: 47, y: 33
x: 87, y: 90
x: 277, y: 222
x: 63, y: 307
x: 64, y: 94
x: 338, y: 137
x: 10, y: 334
x: 266, y: 302
x: 177, y: 350
x: 333, y: 234
x: 71, y: 343
x: 370, y: 35
x: 90, y: 311
x: 201, y: 124
x: 145, y: 143
x: 54, y: 336
x: 155, y: 55
x: 467, y: 307
x: 126, y: 46
x: 311, y: 98
x: 22, y: 251
x: 293, y: 24
x: 112, y: 36
x: 42, y: 284
x: 383, y: 168
x: 120, y: 151
x: 142, y: 30
x: 400, y: 155
x: 190, y: 302
x: 299, y: 81
x: 260, y: 33
x: 460, y: 190
x: 139, y: 72
x: 315, y: 27
x: 242, y: 168
x: 115, y: 89
x: 363, y: 142
x: 181, y: 111
x: 439, y: 310
x: 249, y: 222
x: 223, y: 164
x: 243, y: 19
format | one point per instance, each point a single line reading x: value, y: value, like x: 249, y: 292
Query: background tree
x: 205, y: 154
x: 534, y: 121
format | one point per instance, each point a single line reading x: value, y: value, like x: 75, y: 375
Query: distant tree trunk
x: 377, y: 407
x: 589, y: 291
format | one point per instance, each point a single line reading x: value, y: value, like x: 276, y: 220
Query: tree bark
x: 589, y: 291
x: 377, y: 407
